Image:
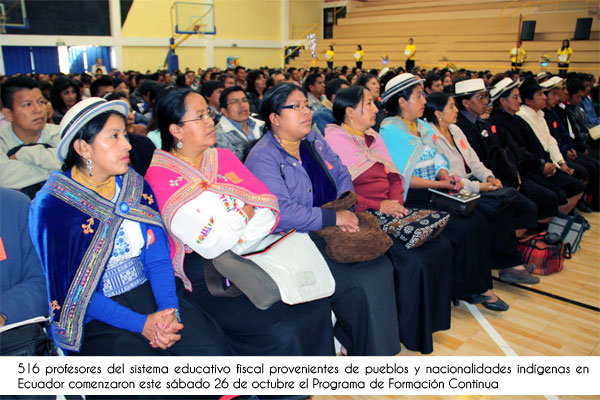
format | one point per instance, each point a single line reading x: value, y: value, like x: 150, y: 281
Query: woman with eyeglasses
x: 211, y: 205
x: 413, y: 147
x: 100, y: 237
x: 298, y: 167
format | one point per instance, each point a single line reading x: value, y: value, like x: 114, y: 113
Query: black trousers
x: 409, y: 65
x: 503, y: 240
x: 525, y: 212
x: 588, y: 169
x: 545, y: 199
x: 563, y: 68
x: 562, y: 184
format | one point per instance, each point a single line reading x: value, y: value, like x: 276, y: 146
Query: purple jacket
x: 286, y: 178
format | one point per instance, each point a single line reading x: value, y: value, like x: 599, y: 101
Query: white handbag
x: 295, y: 264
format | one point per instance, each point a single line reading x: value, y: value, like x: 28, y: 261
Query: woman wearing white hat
x: 422, y: 269
x: 104, y: 251
x: 412, y: 144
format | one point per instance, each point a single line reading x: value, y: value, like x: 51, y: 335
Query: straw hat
x: 503, y: 86
x: 469, y: 87
x: 398, y: 84
x: 552, y: 83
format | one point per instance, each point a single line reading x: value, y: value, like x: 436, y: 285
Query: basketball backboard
x: 13, y: 15
x: 193, y: 18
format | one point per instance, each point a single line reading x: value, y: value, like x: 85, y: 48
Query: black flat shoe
x: 475, y: 298
x: 498, y: 305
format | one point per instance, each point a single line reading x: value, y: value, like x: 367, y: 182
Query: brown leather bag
x: 346, y: 247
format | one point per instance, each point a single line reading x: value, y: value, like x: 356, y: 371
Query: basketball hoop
x: 192, y: 19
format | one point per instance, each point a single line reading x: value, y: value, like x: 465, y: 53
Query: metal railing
x: 336, y: 12
x: 518, y: 6
x: 313, y: 28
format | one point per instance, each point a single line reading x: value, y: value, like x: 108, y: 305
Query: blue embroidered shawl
x: 73, y: 231
x: 405, y: 148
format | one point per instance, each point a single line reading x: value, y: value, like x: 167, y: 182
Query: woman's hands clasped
x: 161, y: 329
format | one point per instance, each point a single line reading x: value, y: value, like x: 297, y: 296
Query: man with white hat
x: 472, y: 100
x: 535, y: 162
x: 585, y: 168
x: 532, y: 94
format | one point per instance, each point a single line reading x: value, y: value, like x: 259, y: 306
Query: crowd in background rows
x: 474, y: 133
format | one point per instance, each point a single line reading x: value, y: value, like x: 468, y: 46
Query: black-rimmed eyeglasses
x: 297, y: 107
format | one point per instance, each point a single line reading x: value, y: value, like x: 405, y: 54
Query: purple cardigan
x: 286, y: 178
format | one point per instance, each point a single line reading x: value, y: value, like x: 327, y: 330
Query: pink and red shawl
x: 176, y: 182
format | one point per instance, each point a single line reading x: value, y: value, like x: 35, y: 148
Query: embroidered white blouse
x: 212, y: 223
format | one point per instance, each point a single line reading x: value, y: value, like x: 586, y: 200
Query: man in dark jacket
x: 472, y: 101
x: 560, y: 126
x: 23, y: 292
x: 534, y: 162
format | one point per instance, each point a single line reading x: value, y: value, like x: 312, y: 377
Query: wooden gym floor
x: 535, y: 325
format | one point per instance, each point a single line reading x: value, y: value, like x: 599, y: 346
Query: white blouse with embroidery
x: 212, y: 223
x: 123, y: 271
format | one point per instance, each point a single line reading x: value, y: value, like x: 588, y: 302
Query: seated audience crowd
x: 174, y: 190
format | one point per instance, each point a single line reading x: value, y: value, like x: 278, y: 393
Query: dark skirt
x: 471, y: 273
x: 423, y: 280
x: 281, y: 330
x: 201, y: 336
x: 364, y: 305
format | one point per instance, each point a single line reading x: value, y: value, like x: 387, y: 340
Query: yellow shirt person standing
x: 358, y: 56
x: 564, y: 57
x: 517, y: 56
x: 329, y: 56
x: 409, y: 53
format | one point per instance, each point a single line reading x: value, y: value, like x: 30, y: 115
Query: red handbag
x: 547, y: 251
